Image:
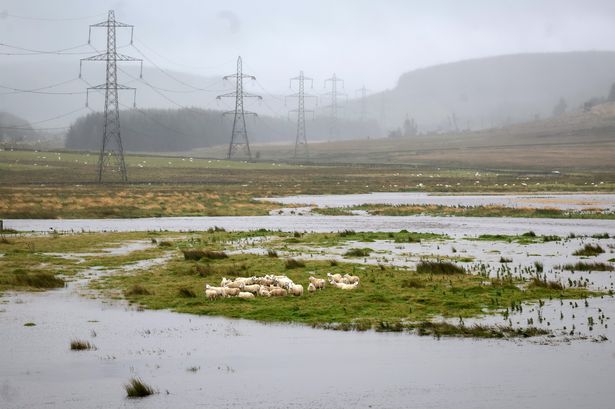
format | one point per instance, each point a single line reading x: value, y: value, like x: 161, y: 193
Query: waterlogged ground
x: 196, y: 361
x: 605, y: 202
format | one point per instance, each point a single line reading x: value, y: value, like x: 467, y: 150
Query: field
x: 60, y: 184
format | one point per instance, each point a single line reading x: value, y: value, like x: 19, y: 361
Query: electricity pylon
x: 333, y: 95
x: 301, y: 139
x: 111, y: 148
x: 363, y: 92
x: 239, y: 135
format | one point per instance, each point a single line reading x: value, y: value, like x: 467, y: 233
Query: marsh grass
x: 583, y: 266
x: 294, y: 263
x: 358, y: 252
x: 272, y: 253
x: 589, y: 250
x: 186, y: 293
x: 81, y: 345
x: 539, y: 266
x: 19, y: 278
x: 136, y: 388
x: 412, y: 283
x: 505, y: 260
x: 439, y: 268
x: 137, y: 289
x: 198, y: 254
x: 541, y: 282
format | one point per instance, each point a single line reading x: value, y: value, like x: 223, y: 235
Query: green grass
x: 438, y: 267
x: 136, y: 388
x: 358, y: 252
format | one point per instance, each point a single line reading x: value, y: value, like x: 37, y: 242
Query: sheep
x: 236, y: 284
x: 264, y: 280
x: 211, y: 294
x: 311, y: 288
x: 296, y: 290
x: 264, y: 291
x: 245, y: 295
x: 253, y: 288
x: 277, y: 292
x: 318, y: 283
x: 219, y: 290
x: 225, y: 281
x: 334, y: 278
x: 231, y: 292
x: 344, y: 286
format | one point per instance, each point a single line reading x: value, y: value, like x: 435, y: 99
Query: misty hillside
x: 494, y: 91
x: 14, y: 128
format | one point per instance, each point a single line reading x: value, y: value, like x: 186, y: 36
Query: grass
x: 294, y: 263
x: 195, y: 254
x: 186, y: 293
x: 542, y: 282
x: 136, y: 388
x: 80, y: 345
x: 438, y: 267
x: 589, y: 250
x: 583, y: 266
x: 137, y: 290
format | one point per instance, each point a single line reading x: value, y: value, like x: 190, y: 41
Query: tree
x: 611, y: 97
x: 410, y: 128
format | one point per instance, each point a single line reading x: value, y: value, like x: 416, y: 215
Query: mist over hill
x: 494, y: 91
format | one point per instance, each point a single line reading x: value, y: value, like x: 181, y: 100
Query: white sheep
x: 334, y: 278
x: 344, y: 286
x: 319, y: 283
x: 219, y: 290
x: 245, y: 295
x: 211, y: 294
x: 296, y: 290
x: 264, y: 291
x: 277, y: 292
x: 235, y: 284
x: 311, y: 288
x: 231, y: 292
x: 349, y: 279
x: 253, y: 288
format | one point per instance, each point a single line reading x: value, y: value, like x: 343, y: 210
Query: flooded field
x: 605, y: 202
x: 195, y: 361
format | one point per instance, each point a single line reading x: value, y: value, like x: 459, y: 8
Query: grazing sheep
x: 231, y: 292
x: 311, y: 288
x: 334, y: 278
x: 296, y: 290
x: 245, y: 295
x: 235, y: 284
x: 253, y: 288
x: 319, y: 283
x: 344, y: 286
x: 264, y: 291
x: 278, y: 292
x: 225, y: 281
x: 219, y: 290
x: 211, y: 294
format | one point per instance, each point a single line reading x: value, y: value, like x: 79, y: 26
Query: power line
x: 239, y: 134
x: 39, y: 90
x: 112, y: 148
x: 333, y: 95
x: 45, y: 120
x: 30, y: 51
x: 6, y: 14
x: 301, y: 138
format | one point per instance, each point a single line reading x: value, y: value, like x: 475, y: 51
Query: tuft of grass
x: 294, y: 263
x: 186, y: 293
x: 196, y: 254
x: 539, y: 266
x: 444, y: 329
x: 80, y: 345
x: 34, y: 280
x: 582, y: 266
x: 438, y: 267
x: 29, y: 324
x: 163, y: 244
x: 193, y: 369
x: 542, y: 282
x: 356, y: 252
x: 137, y: 289
x: 529, y: 234
x: 589, y: 250
x: 136, y: 388
x: 601, y: 236
x: 333, y: 263
x: 272, y: 253
x: 505, y: 260
x: 411, y: 283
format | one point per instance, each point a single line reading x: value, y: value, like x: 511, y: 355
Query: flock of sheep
x: 276, y: 286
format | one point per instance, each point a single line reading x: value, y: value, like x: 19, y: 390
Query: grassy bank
x: 467, y: 211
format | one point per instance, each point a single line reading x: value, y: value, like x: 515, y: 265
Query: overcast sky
x: 370, y: 42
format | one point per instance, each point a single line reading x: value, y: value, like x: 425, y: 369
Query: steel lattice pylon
x: 301, y: 143
x: 239, y: 134
x: 333, y: 95
x: 112, y: 150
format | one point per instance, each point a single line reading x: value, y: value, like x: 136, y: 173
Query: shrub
x: 195, y: 254
x: 581, y: 266
x: 539, y: 266
x: 80, y: 345
x: 505, y: 260
x: 355, y: 252
x: 272, y: 253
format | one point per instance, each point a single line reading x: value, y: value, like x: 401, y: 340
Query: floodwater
x: 247, y: 364
x: 582, y: 201
x: 455, y: 226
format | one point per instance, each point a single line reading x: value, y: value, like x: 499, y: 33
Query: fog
x: 364, y: 42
